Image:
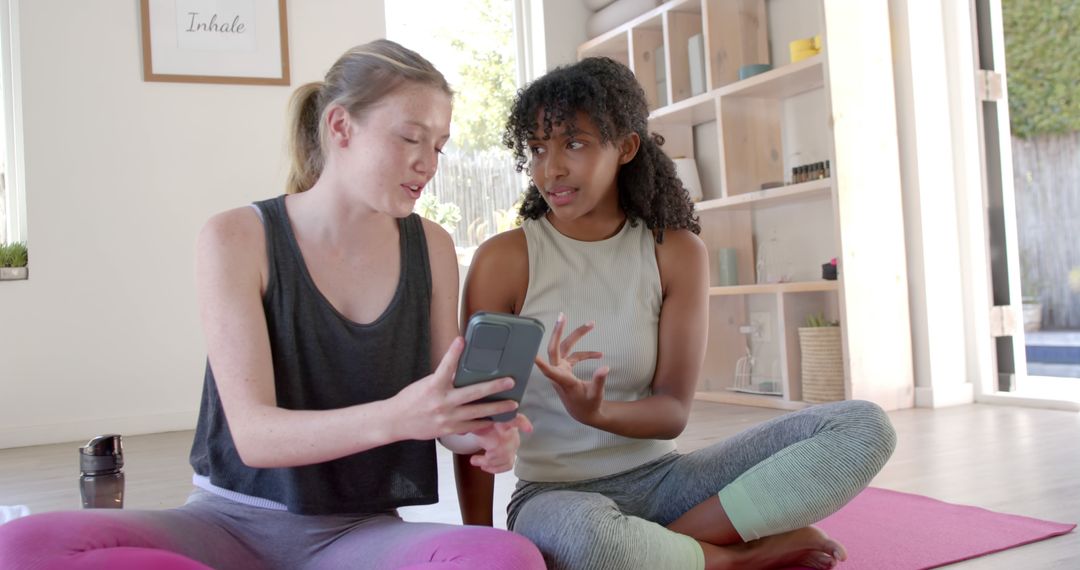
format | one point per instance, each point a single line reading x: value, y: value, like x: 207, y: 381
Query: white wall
x: 971, y: 204
x: 931, y: 217
x: 120, y: 176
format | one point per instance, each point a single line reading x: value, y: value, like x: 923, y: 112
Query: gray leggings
x: 784, y: 474
x: 214, y: 532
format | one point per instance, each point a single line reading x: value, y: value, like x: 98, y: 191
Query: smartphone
x: 499, y: 345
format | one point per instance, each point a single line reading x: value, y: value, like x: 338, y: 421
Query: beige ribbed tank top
x: 616, y: 283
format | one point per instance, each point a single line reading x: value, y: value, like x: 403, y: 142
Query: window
x: 12, y: 198
x: 474, y: 44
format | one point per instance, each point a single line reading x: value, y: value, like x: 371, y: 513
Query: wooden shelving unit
x: 746, y: 135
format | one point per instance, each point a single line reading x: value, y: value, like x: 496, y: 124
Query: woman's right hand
x: 432, y: 407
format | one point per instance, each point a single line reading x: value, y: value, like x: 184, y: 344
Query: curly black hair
x: 610, y: 95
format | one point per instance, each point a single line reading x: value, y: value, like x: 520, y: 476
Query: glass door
x: 1032, y: 209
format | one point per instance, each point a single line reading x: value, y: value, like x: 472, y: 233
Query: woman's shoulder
x: 231, y: 248
x: 499, y: 273
x: 437, y: 238
x: 233, y: 228
x: 502, y: 248
x: 681, y: 251
x: 679, y: 241
x: 504, y: 256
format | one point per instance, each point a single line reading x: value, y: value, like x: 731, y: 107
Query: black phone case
x: 499, y: 345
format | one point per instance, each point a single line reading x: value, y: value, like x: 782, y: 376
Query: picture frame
x: 215, y: 41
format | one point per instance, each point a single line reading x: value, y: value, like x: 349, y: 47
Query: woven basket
x: 822, y: 364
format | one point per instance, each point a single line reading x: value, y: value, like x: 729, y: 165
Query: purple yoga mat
x: 889, y: 530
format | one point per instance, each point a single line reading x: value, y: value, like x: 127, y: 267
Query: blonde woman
x: 325, y: 311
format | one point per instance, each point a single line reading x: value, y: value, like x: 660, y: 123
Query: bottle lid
x: 102, y: 455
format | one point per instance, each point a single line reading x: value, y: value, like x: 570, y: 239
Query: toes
x: 822, y: 561
x: 836, y: 550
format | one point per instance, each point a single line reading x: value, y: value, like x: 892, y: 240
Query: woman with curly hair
x: 608, y: 239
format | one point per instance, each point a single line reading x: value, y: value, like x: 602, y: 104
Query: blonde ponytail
x: 305, y: 148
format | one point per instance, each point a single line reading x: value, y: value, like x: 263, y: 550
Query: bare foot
x: 809, y: 547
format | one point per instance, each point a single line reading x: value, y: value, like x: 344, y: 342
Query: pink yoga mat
x: 889, y: 530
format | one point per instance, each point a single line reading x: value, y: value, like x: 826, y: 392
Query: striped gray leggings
x: 781, y: 475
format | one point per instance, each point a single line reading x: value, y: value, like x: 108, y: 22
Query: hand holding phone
x: 499, y: 345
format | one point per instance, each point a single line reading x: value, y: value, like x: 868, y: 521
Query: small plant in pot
x: 13, y: 260
x: 1030, y: 287
x: 822, y: 360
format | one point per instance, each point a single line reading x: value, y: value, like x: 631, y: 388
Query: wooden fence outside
x: 484, y: 185
x: 1046, y: 178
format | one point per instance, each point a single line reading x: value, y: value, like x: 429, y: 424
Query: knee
x: 872, y: 426
x: 483, y: 547
x: 32, y: 541
x: 583, y: 535
x: 83, y: 539
x: 879, y: 424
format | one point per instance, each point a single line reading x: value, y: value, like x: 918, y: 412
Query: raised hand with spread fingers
x: 583, y: 399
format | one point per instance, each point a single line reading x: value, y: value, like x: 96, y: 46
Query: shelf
x: 612, y: 44
x: 767, y: 288
x: 589, y: 47
x: 693, y: 111
x: 744, y: 399
x: 813, y: 189
x: 780, y: 83
x: 690, y: 6
x: 601, y: 45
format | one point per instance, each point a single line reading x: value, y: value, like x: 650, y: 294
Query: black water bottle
x: 101, y: 468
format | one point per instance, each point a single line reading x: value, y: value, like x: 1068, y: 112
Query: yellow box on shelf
x: 804, y: 48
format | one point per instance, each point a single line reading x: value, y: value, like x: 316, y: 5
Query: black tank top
x: 322, y: 361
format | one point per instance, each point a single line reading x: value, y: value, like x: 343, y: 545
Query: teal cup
x: 753, y: 69
x: 727, y: 260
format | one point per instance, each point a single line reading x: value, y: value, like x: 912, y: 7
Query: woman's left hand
x: 499, y: 443
x: 582, y: 399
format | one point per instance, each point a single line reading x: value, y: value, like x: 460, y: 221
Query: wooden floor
x: 1015, y: 460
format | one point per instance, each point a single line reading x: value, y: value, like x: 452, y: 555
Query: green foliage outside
x: 505, y: 220
x: 509, y: 218
x: 1042, y: 56
x: 14, y: 255
x: 488, y: 76
x: 446, y: 214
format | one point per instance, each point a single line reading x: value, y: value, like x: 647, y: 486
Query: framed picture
x: 215, y: 41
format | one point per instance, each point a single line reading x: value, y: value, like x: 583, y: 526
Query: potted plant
x: 1030, y: 285
x: 13, y: 260
x: 1031, y: 306
x: 446, y: 214
x: 822, y: 360
x: 1032, y: 310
